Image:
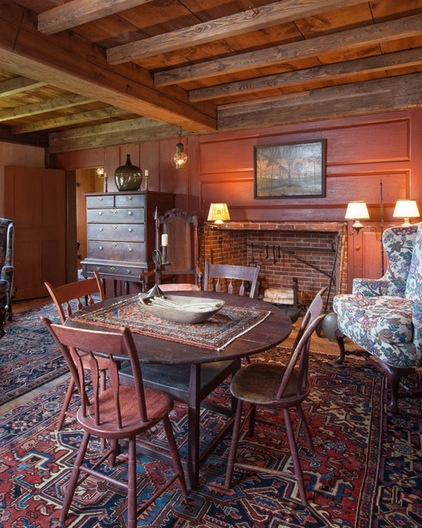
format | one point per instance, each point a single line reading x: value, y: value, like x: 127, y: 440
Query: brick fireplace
x: 313, y: 253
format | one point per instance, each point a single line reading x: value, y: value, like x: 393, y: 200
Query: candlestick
x: 146, y: 179
x: 164, y: 239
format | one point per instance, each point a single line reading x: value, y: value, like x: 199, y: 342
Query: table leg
x: 194, y: 408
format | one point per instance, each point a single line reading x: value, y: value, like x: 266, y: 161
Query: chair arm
x: 378, y: 287
x: 7, y: 274
x: 417, y: 324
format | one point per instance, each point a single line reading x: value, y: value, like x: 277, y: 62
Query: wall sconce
x: 357, y: 211
x: 218, y: 213
x: 101, y: 173
x: 180, y: 158
x: 406, y: 209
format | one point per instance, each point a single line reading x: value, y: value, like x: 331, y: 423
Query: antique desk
x: 190, y: 372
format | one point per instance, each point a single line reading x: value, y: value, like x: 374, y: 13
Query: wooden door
x: 36, y: 200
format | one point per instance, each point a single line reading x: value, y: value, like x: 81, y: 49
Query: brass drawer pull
x: 100, y: 213
x: 112, y: 268
x: 128, y: 271
x: 114, y: 244
x: 114, y: 211
x: 114, y: 227
x: 129, y: 197
x: 100, y: 229
x: 129, y: 213
x: 100, y: 248
x: 129, y: 249
x: 130, y: 229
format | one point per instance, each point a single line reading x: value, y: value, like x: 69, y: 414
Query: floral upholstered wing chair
x: 384, y: 316
x: 7, y: 268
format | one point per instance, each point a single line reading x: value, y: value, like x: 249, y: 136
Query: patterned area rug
x: 365, y: 472
x: 28, y: 356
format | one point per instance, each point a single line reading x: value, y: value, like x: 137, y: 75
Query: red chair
x: 279, y: 387
x: 68, y: 298
x: 120, y: 413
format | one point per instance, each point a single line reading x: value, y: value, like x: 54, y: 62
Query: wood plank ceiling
x: 88, y: 73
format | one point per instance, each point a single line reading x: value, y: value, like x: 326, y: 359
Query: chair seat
x: 158, y: 404
x: 259, y: 383
x: 381, y: 325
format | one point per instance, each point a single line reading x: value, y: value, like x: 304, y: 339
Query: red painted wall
x: 360, y: 152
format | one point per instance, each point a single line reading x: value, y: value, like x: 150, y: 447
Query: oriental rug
x: 216, y: 332
x: 365, y: 471
x: 29, y: 357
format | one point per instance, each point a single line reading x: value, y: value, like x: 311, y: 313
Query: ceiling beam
x: 345, y: 40
x: 301, y: 78
x: 35, y: 140
x: 50, y: 105
x: 229, y: 26
x: 80, y: 67
x: 129, y: 131
x: 380, y: 95
x: 18, y: 85
x: 77, y: 12
x: 69, y: 120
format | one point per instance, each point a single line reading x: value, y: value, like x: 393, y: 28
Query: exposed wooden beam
x: 301, y: 78
x: 18, y: 85
x: 130, y: 131
x: 35, y: 140
x: 76, y: 66
x: 69, y: 120
x: 381, y: 95
x: 79, y: 12
x: 344, y: 40
x: 228, y: 26
x: 45, y: 106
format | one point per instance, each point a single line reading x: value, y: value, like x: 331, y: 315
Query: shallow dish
x: 181, y: 309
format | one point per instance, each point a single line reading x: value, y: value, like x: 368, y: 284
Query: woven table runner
x: 215, y: 333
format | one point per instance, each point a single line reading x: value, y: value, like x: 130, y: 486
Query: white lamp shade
x: 406, y: 209
x: 357, y: 211
x: 218, y: 213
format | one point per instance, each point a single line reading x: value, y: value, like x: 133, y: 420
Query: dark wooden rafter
x: 81, y: 69
x: 18, y: 85
x: 228, y: 26
x: 71, y: 119
x: 379, y: 95
x: 344, y: 70
x: 77, y: 12
x: 345, y: 40
x: 45, y: 106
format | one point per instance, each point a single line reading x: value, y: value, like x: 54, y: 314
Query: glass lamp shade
x: 180, y: 158
x: 406, y: 209
x: 218, y: 213
x: 128, y: 177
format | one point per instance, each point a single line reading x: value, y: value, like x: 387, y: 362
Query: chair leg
x: 175, y: 454
x: 252, y: 419
x: 303, y: 422
x: 66, y: 404
x: 73, y: 481
x: 295, y: 456
x: 234, y: 442
x: 131, y: 492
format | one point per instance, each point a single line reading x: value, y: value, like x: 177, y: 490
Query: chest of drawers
x: 121, y: 233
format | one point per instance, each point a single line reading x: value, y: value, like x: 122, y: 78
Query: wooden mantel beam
x: 228, y: 26
x: 81, y: 68
x: 79, y: 12
x: 345, y: 40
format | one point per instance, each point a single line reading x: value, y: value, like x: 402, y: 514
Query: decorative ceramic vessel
x: 128, y: 177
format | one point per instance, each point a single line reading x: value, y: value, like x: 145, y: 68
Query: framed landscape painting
x: 292, y: 170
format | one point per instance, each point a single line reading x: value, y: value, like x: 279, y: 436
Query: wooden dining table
x: 190, y: 372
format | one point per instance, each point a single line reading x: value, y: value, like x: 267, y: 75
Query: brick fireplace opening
x: 312, y: 253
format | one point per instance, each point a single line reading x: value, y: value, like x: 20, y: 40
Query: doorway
x: 87, y: 181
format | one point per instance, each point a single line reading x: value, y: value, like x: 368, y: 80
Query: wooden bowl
x: 181, y: 309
